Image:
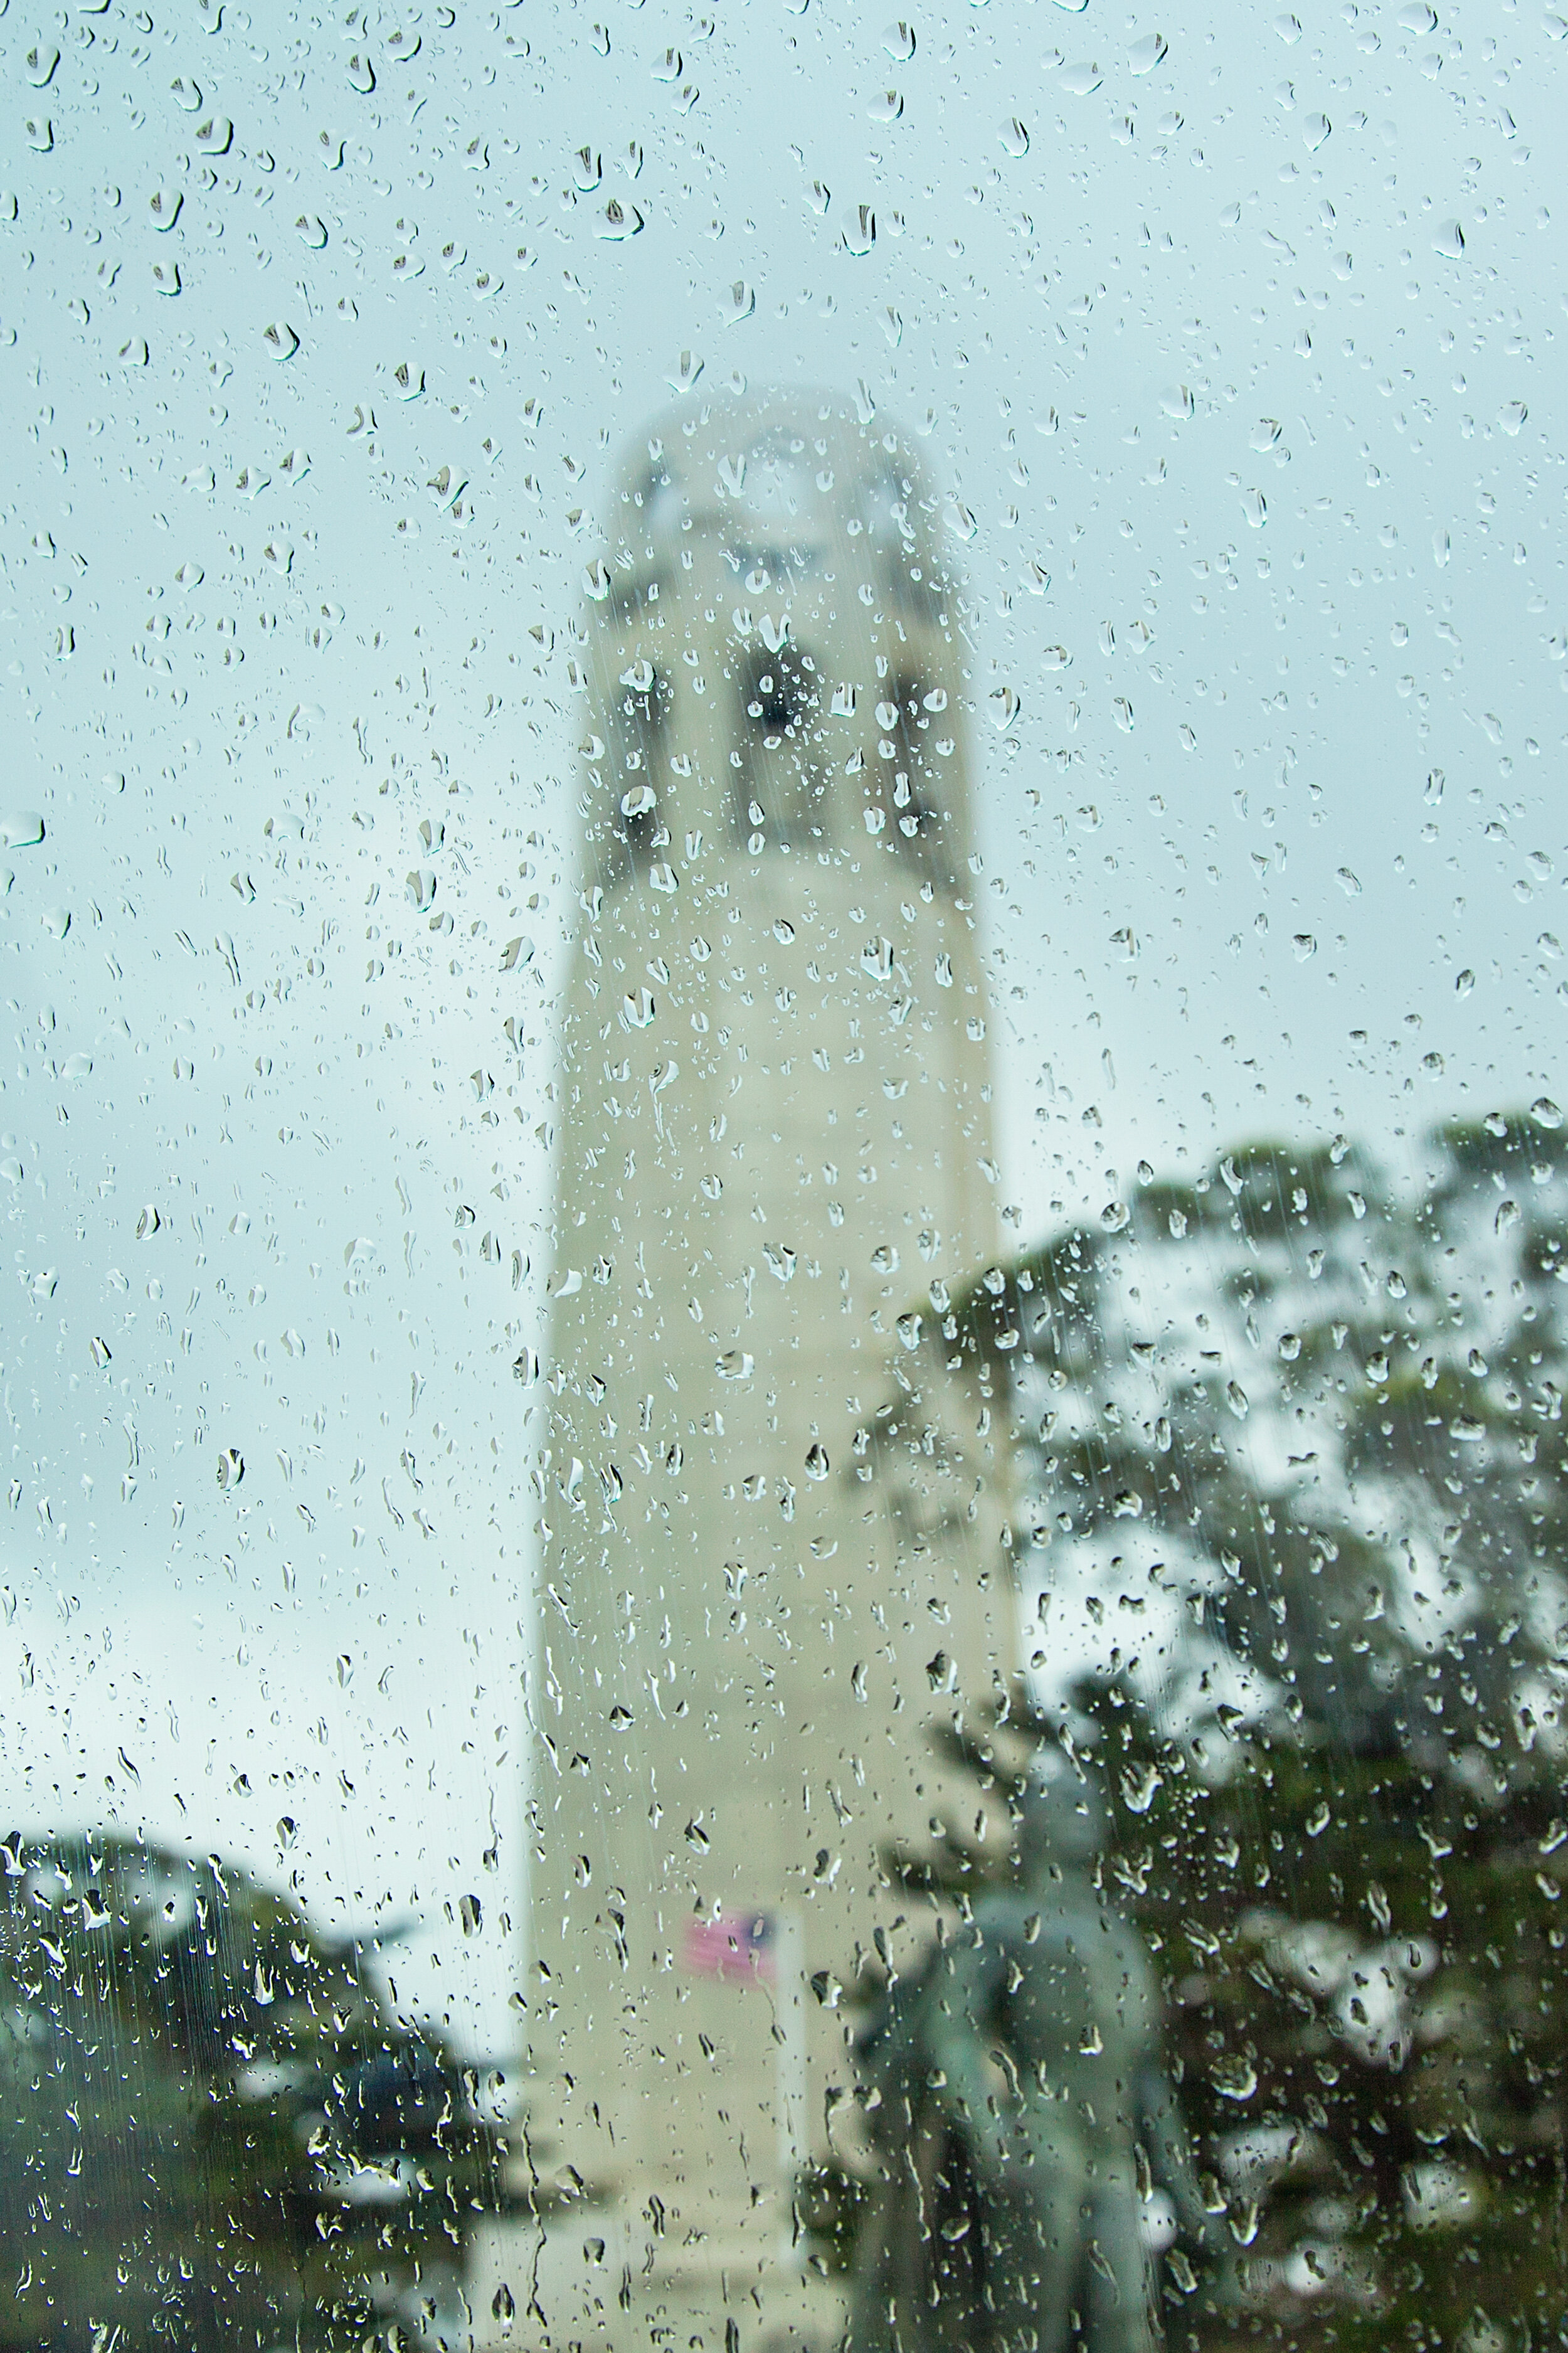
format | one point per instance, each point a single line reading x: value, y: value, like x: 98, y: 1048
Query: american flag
x: 736, y: 1945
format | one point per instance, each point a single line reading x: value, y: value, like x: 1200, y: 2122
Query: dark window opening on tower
x: 782, y: 690
x: 916, y: 809
x: 640, y: 716
x: 779, y: 695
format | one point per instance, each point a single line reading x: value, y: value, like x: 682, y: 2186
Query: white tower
x: 776, y: 1536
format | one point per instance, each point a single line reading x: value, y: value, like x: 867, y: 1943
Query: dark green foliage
x: 1326, y: 1414
x: 1367, y: 2017
x: 1364, y: 1963
x: 1296, y: 1507
x: 212, y: 2129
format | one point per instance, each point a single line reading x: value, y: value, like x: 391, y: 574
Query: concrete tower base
x: 642, y: 2294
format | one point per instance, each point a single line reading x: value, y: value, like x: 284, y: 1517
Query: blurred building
x: 777, y: 1547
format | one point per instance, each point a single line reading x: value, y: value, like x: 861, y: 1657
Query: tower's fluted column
x: 776, y: 1539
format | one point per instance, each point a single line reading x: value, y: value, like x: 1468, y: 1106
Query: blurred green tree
x: 213, y: 2129
x: 1295, y: 1499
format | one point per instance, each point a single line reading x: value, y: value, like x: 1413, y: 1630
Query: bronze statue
x: 1022, y: 2113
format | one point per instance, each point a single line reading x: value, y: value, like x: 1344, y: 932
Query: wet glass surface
x: 779, y: 877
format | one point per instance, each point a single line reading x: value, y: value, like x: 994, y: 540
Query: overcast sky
x: 1231, y: 343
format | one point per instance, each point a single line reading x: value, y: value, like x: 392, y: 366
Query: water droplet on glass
x: 23, y: 829
x: 1080, y: 81
x: 1314, y: 131
x: 618, y: 222
x: 898, y: 40
x: 1014, y: 138
x: 817, y: 1464
x: 279, y: 341
x: 1146, y: 54
x: 1449, y: 241
x: 1140, y: 1785
x: 1177, y: 401
x: 230, y: 1468
x: 1233, y: 2078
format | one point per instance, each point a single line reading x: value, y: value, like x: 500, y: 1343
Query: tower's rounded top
x: 773, y: 644
x: 777, y: 473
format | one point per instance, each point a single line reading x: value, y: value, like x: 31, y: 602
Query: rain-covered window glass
x: 785, y: 1546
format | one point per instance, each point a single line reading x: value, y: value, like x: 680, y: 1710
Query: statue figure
x: 1024, y: 2115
